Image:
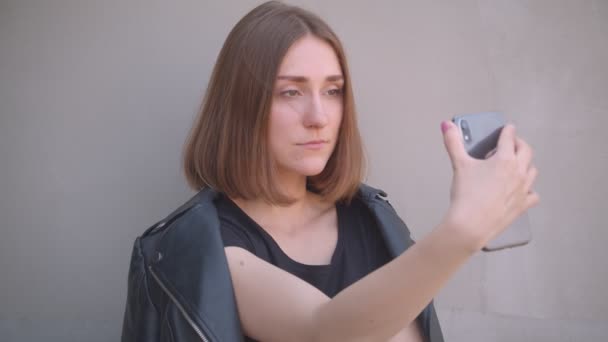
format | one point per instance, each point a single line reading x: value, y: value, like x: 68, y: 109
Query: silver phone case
x: 484, y: 129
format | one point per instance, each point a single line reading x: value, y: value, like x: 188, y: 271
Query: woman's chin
x: 311, y: 169
x: 310, y: 166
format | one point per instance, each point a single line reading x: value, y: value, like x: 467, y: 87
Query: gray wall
x: 96, y: 99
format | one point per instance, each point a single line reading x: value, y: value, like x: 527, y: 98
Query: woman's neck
x: 306, y: 208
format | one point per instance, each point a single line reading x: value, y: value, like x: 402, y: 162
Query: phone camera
x: 466, y: 131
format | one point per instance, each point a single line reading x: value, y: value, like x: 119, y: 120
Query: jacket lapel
x: 194, y: 269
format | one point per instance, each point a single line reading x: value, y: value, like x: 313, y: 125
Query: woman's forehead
x: 312, y: 58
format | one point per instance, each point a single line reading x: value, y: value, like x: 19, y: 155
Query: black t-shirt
x: 360, y: 248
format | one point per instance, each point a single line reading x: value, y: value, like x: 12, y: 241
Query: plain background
x: 96, y: 98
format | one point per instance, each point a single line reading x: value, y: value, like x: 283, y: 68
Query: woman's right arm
x: 486, y: 197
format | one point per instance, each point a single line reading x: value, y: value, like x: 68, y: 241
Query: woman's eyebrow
x: 303, y: 79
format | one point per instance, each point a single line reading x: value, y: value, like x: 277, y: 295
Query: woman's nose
x: 315, y: 115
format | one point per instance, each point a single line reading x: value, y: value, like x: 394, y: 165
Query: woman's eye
x: 335, y: 92
x: 290, y: 93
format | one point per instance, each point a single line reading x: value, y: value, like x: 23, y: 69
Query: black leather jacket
x: 179, y: 286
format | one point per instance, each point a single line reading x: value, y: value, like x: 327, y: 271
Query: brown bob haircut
x: 227, y: 147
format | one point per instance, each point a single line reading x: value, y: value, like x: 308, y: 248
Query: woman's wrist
x: 458, y: 228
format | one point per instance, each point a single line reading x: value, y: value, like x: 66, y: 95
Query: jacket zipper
x: 196, y: 328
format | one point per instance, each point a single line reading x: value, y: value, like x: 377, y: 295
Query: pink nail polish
x: 444, y: 126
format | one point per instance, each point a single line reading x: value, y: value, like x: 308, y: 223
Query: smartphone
x: 480, y: 133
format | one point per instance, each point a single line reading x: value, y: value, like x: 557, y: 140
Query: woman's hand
x: 488, y: 195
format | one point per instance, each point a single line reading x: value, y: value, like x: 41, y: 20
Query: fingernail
x: 444, y: 126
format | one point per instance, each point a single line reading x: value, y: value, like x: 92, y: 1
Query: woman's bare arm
x: 277, y: 306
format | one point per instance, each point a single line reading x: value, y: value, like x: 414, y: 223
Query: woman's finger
x: 506, y: 141
x: 524, y: 153
x: 531, y: 200
x: 530, y: 179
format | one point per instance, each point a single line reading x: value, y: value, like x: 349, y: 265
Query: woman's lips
x: 314, y: 145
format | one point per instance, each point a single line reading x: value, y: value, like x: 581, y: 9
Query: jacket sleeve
x: 141, y: 319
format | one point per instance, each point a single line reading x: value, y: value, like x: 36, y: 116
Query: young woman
x: 283, y: 242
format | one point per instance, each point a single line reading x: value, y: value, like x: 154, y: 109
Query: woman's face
x: 306, y: 109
